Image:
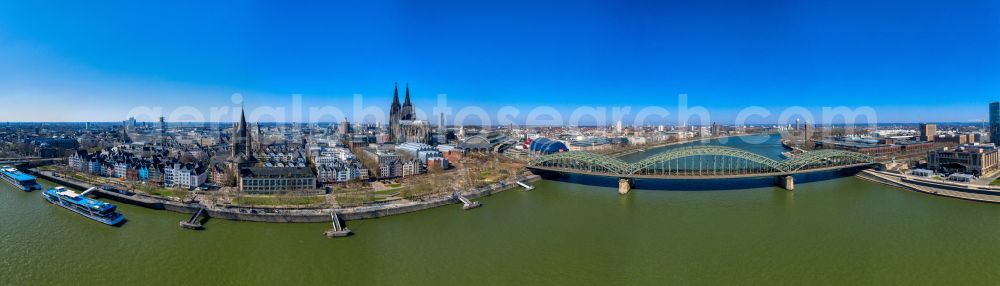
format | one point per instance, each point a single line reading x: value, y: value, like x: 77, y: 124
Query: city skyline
x: 400, y: 142
x: 902, y: 59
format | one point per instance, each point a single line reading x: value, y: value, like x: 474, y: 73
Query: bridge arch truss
x: 583, y: 161
x: 699, y: 161
x: 825, y: 158
x: 705, y: 161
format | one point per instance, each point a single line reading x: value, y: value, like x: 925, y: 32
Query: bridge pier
x: 785, y: 182
x: 624, y: 185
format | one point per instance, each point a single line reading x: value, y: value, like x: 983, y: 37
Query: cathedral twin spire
x: 407, y: 110
x: 407, y: 101
x: 404, y: 111
x: 399, y: 112
x: 394, y: 109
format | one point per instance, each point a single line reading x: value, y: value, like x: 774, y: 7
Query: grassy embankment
x: 279, y: 200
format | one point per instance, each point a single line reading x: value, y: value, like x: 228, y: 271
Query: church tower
x: 394, y: 115
x: 407, y: 112
x: 242, y: 145
x: 241, y: 137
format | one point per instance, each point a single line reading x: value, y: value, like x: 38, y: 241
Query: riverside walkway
x: 281, y: 215
x: 979, y: 193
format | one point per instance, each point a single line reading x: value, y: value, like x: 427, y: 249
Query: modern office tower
x: 995, y: 122
x: 807, y: 133
x: 441, y: 125
x: 928, y: 131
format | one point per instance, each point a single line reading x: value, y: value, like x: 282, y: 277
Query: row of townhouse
x: 218, y: 174
x: 280, y: 156
x: 341, y: 171
x: 392, y: 165
x: 178, y: 175
x: 338, y: 164
x: 129, y: 167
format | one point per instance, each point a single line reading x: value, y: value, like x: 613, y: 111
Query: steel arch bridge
x: 699, y: 162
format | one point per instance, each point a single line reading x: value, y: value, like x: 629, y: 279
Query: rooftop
x: 277, y: 172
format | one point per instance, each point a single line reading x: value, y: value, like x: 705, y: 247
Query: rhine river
x: 839, y: 231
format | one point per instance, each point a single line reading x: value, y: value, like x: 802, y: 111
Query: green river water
x: 840, y: 231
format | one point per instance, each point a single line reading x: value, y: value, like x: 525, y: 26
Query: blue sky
x: 909, y: 60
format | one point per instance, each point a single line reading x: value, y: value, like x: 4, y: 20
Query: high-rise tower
x: 927, y: 132
x: 995, y: 122
x: 441, y: 126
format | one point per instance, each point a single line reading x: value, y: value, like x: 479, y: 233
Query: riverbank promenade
x: 274, y: 214
x: 972, y: 192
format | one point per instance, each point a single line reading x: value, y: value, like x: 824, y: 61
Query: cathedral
x: 403, y: 123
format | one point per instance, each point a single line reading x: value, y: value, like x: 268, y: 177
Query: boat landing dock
x: 338, y: 229
x: 466, y: 203
x: 194, y: 223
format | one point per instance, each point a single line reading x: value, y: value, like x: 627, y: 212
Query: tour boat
x: 96, y: 210
x: 20, y: 180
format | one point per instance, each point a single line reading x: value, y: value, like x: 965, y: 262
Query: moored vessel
x: 20, y: 180
x: 96, y: 210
